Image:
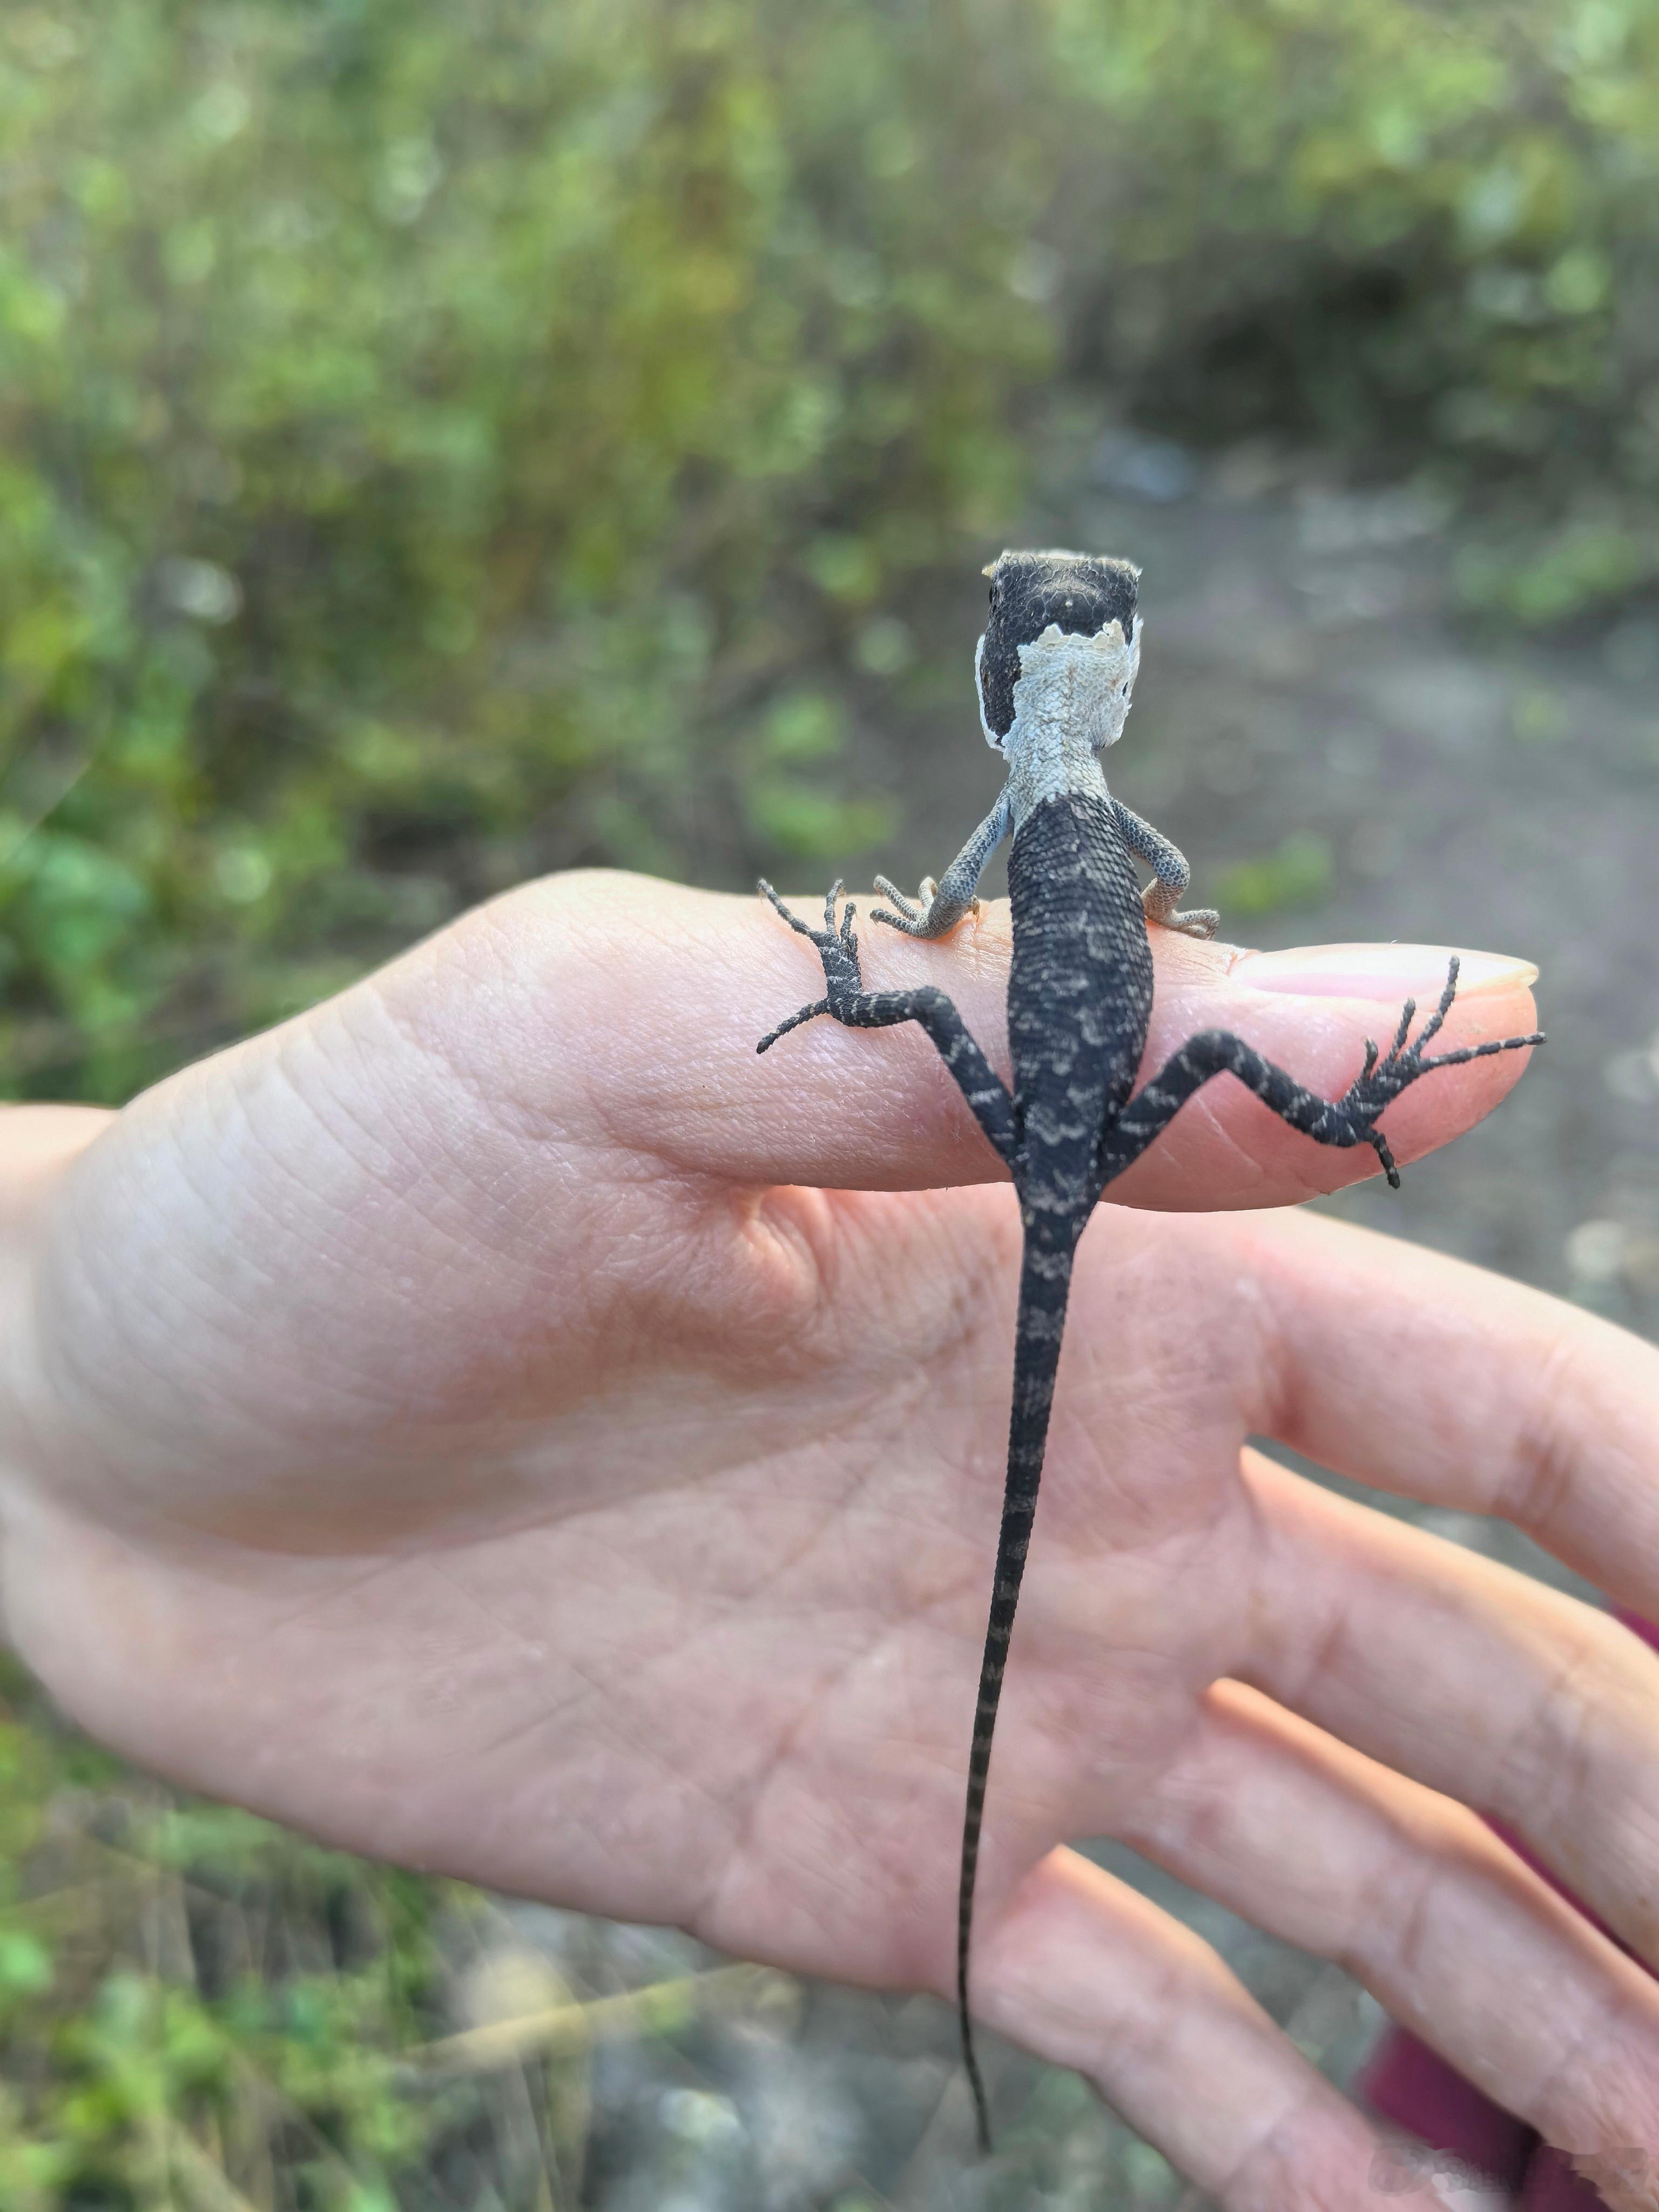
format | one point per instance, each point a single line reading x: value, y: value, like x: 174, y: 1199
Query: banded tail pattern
x: 1044, y: 1286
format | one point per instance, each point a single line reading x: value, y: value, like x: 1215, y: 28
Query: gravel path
x: 1327, y: 746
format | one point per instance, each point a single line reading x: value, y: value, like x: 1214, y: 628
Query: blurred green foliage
x: 442, y: 443
x: 186, y: 1991
x: 427, y: 431
x: 1298, y: 873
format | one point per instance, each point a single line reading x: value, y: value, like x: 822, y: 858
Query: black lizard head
x: 1081, y: 592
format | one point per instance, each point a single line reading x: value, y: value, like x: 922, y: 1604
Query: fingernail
x: 1379, y: 971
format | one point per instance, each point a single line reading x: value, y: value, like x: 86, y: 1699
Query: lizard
x: 1055, y: 671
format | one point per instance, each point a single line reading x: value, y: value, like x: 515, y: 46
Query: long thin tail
x: 1044, y: 1285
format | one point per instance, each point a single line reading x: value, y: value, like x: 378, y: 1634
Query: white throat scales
x: 1069, y: 702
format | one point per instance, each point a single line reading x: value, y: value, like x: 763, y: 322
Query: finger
x: 1470, y: 1677
x: 1087, y: 1973
x: 1454, y: 1934
x: 656, y: 996
x: 1418, y: 1374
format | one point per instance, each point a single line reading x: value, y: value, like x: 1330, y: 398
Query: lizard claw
x: 830, y: 934
x: 931, y: 915
x: 909, y: 912
x: 1381, y: 1081
x: 837, y: 947
x: 1195, y: 921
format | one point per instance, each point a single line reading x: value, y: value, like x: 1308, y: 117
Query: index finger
x: 657, y: 995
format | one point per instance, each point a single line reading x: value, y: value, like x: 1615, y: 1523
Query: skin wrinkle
x: 529, y: 1156
x: 1271, y: 1402
x: 437, y: 1570
x: 1329, y: 1531
x: 855, y: 1245
x: 1158, y: 1998
x: 75, y: 1380
x: 1570, y: 2079
x: 1427, y: 1824
x: 1176, y: 1991
x: 776, y: 1571
x: 402, y: 1192
x: 1272, y: 2172
x: 1545, y: 1767
x: 782, y: 1291
x: 207, y: 1318
x: 1287, y: 1417
x: 1534, y: 2101
x: 1258, y: 1628
x: 572, y: 1511
x: 1280, y: 1407
x: 83, y: 1277
x: 608, y: 1703
x: 1244, y: 1157
x: 387, y: 992
x: 783, y: 1217
x: 385, y: 1129
x: 1154, y: 2039
x: 403, y: 1180
x: 281, y: 1623
x: 1327, y: 1650
x: 1184, y: 1816
x: 725, y: 1888
x: 1543, y: 1806
x: 1545, y: 1471
x: 609, y: 1103
x: 839, y: 1509
x: 732, y: 1307
x: 1157, y: 1796
x: 1393, y: 1903
x: 937, y: 1607
x: 813, y: 1706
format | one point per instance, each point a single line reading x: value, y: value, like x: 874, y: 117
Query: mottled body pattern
x: 1055, y: 669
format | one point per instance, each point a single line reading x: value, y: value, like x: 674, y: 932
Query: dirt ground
x: 1318, y: 734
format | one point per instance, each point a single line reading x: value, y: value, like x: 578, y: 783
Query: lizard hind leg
x: 847, y: 1002
x: 837, y: 947
x: 1343, y: 1122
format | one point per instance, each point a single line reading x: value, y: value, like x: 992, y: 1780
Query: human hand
x: 454, y: 1424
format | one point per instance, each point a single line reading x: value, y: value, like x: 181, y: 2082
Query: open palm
x: 498, y: 1425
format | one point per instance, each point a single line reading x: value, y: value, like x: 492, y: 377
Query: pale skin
x: 497, y: 1423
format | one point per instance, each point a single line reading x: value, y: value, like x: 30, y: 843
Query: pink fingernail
x: 1379, y: 971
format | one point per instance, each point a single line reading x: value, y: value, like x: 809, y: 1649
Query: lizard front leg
x: 942, y: 905
x: 847, y: 1002
x: 1170, y: 877
x: 1348, y: 1120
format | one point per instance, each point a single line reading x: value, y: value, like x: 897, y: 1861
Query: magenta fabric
x: 1409, y: 2084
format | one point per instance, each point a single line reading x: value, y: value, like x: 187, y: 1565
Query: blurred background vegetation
x: 439, y: 444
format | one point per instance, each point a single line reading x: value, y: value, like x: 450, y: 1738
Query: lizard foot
x: 847, y: 1002
x: 1195, y: 921
x: 1383, y: 1078
x: 930, y: 914
x: 837, y: 948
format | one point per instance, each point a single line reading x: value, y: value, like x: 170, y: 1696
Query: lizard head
x: 1070, y: 614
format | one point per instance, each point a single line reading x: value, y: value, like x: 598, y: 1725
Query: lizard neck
x: 1050, y: 756
x: 1069, y: 704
